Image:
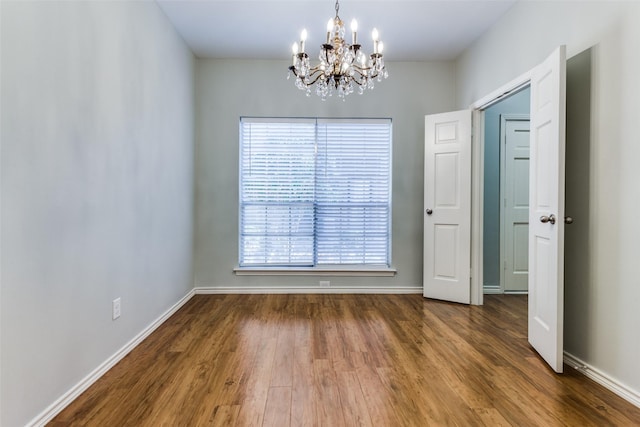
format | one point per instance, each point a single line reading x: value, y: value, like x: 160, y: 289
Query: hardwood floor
x: 343, y: 360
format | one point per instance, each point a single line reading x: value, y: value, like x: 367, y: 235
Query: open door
x: 447, y: 204
x: 546, y: 208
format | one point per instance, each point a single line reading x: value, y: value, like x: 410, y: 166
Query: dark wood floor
x: 343, y: 360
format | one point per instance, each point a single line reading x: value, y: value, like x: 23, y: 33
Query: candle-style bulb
x: 354, y: 32
x: 294, y: 49
x: 374, y: 34
x: 303, y: 39
x: 330, y: 25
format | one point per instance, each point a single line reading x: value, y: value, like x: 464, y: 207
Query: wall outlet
x: 115, y: 308
x: 325, y: 283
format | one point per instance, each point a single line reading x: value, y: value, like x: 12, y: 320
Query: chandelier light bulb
x: 303, y: 38
x: 294, y: 49
x: 374, y: 34
x: 354, y: 31
x: 329, y: 29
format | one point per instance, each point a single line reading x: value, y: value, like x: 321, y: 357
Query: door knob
x: 551, y: 218
x: 568, y: 220
x: 429, y: 211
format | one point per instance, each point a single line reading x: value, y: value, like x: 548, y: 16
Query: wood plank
x: 277, y: 412
x: 354, y: 406
x: 303, y: 400
x: 329, y: 406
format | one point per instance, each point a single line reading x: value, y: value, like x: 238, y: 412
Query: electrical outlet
x: 115, y: 308
x: 325, y: 283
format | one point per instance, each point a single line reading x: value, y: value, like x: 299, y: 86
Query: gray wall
x: 602, y: 288
x: 228, y: 89
x: 97, y: 188
x: 515, y: 104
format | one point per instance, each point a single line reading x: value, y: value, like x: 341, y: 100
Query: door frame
x: 477, y: 177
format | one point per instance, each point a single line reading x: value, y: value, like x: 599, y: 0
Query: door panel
x: 446, y: 240
x: 447, y: 203
x: 447, y: 189
x: 546, y: 212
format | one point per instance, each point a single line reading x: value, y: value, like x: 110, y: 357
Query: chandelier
x: 342, y: 66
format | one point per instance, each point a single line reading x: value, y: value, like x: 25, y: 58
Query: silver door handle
x: 429, y: 211
x: 568, y: 220
x: 551, y: 218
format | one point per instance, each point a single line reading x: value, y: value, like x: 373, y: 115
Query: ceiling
x: 412, y: 30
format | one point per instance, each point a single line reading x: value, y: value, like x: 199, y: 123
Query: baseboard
x: 56, y: 407
x: 307, y: 290
x: 627, y: 393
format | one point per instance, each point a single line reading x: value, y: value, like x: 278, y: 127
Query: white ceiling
x: 412, y: 30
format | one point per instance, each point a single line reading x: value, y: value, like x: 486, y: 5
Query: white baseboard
x: 56, y: 407
x: 307, y: 290
x: 603, y: 379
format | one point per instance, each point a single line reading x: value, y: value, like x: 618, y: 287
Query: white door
x: 447, y: 204
x: 546, y: 208
x: 514, y: 184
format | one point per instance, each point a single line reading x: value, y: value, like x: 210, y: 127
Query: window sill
x: 317, y: 271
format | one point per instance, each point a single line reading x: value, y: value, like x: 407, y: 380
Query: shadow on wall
x: 577, y: 271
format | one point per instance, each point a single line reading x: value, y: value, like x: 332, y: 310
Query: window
x: 315, y: 192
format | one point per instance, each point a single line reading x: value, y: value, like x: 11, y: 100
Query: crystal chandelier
x: 342, y: 66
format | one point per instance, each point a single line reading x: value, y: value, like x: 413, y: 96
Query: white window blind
x: 315, y: 192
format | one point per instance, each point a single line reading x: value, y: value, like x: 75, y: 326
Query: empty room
x: 319, y: 212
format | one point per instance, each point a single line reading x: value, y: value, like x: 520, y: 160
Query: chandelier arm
x: 317, y: 72
x: 373, y: 72
x: 315, y: 80
x: 361, y: 70
x: 361, y: 81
